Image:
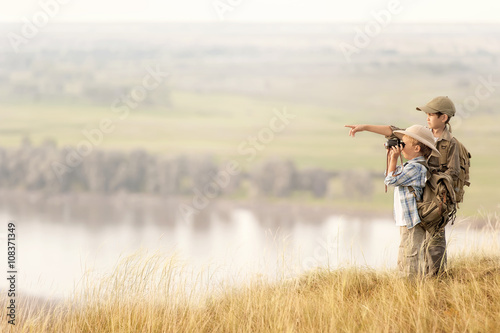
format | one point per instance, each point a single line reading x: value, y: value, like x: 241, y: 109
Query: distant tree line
x: 31, y: 168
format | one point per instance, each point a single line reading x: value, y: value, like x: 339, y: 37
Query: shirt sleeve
x: 393, y: 128
x: 410, y: 175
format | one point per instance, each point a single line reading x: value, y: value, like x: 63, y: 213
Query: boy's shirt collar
x: 446, y: 135
x: 416, y: 160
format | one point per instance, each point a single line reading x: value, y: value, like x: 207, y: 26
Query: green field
x: 217, y: 124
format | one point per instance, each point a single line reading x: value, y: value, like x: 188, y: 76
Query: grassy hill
x: 146, y: 295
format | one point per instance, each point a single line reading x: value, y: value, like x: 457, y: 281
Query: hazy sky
x: 481, y: 11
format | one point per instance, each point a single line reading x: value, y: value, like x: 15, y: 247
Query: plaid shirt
x: 411, y: 174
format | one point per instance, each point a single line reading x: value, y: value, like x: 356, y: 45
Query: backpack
x: 463, y: 177
x: 438, y: 204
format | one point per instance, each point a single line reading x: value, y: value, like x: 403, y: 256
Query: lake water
x: 53, y: 257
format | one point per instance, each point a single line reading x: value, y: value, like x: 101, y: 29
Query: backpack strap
x: 424, y: 163
x: 412, y: 191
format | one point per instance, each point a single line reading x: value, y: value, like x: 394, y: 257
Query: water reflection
x: 54, y: 255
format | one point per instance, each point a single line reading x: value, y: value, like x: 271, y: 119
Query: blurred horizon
x: 260, y: 10
x: 182, y: 136
x: 212, y: 87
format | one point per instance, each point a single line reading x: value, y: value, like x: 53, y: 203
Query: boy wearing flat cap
x: 439, y: 111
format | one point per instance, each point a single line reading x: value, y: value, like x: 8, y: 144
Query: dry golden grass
x: 146, y: 294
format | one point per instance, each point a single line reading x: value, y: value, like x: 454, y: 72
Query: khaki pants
x: 421, y: 252
x: 411, y: 251
x: 435, y: 252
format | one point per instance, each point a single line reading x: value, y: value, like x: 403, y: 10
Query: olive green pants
x: 435, y: 252
x: 421, y: 252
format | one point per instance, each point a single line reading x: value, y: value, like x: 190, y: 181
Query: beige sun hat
x: 439, y: 104
x: 421, y: 134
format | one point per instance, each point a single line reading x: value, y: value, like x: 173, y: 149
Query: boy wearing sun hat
x: 418, y: 145
x: 438, y: 111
